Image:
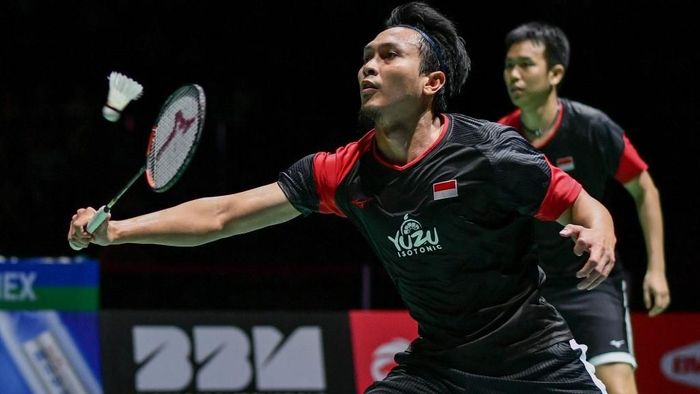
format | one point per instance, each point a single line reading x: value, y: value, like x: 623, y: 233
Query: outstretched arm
x: 192, y: 223
x: 590, y: 225
x: 656, y: 293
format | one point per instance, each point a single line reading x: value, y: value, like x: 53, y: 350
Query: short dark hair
x: 445, y: 53
x: 556, y: 45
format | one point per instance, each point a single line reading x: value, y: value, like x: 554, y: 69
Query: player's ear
x: 556, y: 74
x: 435, y: 81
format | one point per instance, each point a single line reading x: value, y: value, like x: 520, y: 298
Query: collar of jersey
x: 555, y: 128
x: 443, y: 132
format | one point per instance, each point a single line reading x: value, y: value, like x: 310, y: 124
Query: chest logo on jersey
x: 446, y: 189
x: 566, y: 163
x: 411, y: 239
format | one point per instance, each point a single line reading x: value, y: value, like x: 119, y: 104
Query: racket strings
x: 175, y: 136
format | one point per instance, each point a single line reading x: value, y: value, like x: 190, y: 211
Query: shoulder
x: 479, y: 132
x: 499, y: 144
x: 583, y: 114
x: 512, y: 119
x: 350, y: 152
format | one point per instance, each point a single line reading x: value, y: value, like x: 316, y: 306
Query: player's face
x: 390, y: 80
x: 527, y: 77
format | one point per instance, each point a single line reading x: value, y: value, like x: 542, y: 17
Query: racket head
x: 175, y: 136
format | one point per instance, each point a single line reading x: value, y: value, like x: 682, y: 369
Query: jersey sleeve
x: 562, y: 192
x: 619, y: 155
x: 297, y: 183
x: 311, y: 183
x: 631, y: 164
x: 529, y: 184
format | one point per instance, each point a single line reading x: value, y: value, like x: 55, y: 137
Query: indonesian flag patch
x: 566, y: 163
x: 446, y: 189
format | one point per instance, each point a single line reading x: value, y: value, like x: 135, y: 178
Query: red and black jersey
x: 591, y: 148
x: 453, y: 229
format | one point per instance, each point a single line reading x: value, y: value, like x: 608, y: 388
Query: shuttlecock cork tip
x: 122, y: 90
x: 110, y: 114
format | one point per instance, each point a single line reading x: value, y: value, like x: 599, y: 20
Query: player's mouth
x: 368, y: 87
x: 516, y: 93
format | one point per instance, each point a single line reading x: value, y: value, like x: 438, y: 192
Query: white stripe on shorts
x: 589, y: 367
x: 613, y: 357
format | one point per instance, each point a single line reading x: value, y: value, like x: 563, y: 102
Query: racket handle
x: 72, y: 246
x: 99, y: 218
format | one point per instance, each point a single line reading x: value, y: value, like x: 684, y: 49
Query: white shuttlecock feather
x: 122, y: 90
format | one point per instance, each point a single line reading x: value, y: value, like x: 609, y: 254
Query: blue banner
x: 49, y: 326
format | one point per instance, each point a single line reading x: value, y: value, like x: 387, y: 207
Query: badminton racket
x: 171, y: 145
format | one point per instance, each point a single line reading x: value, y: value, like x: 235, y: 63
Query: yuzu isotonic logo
x: 411, y: 239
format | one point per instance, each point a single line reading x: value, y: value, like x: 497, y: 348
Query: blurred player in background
x: 587, y: 144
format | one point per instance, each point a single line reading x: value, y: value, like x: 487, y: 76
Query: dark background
x: 280, y: 83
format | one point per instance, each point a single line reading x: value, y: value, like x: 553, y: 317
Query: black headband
x: 433, y: 45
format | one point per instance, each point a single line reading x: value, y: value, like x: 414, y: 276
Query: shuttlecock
x: 122, y: 90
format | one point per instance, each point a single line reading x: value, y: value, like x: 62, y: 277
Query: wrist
x: 655, y: 270
x: 113, y: 232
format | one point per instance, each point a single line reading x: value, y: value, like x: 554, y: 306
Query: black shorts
x: 598, y: 318
x: 560, y: 368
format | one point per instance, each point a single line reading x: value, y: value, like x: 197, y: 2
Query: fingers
x: 598, y: 280
x: 593, y: 260
x: 590, y: 280
x: 571, y: 231
x: 655, y: 311
x: 661, y: 302
x: 83, y: 216
x: 647, y: 299
x: 600, y: 245
x: 596, y: 270
x: 78, y: 237
x: 580, y: 248
x: 589, y: 275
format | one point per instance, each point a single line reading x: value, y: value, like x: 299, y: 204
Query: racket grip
x: 72, y: 246
x: 99, y: 218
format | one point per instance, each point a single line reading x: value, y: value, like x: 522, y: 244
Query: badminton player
x: 447, y: 203
x: 594, y: 150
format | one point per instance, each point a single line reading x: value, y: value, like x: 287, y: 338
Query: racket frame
x: 102, y: 213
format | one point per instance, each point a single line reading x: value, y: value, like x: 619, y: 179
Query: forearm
x: 588, y: 212
x: 189, y: 224
x: 646, y: 197
x: 206, y: 219
x: 651, y: 221
x: 592, y: 215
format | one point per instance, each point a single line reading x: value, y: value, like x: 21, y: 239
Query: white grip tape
x: 98, y: 219
x: 73, y: 246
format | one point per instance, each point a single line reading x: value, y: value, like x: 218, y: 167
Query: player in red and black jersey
x: 593, y: 149
x: 447, y: 203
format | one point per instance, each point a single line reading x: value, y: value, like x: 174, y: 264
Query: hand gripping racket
x: 171, y: 145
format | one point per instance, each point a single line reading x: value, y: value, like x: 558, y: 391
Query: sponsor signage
x: 49, y: 338
x: 233, y: 352
x: 668, y: 352
x: 667, y: 348
x: 49, y: 283
x: 376, y: 337
x: 411, y: 239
